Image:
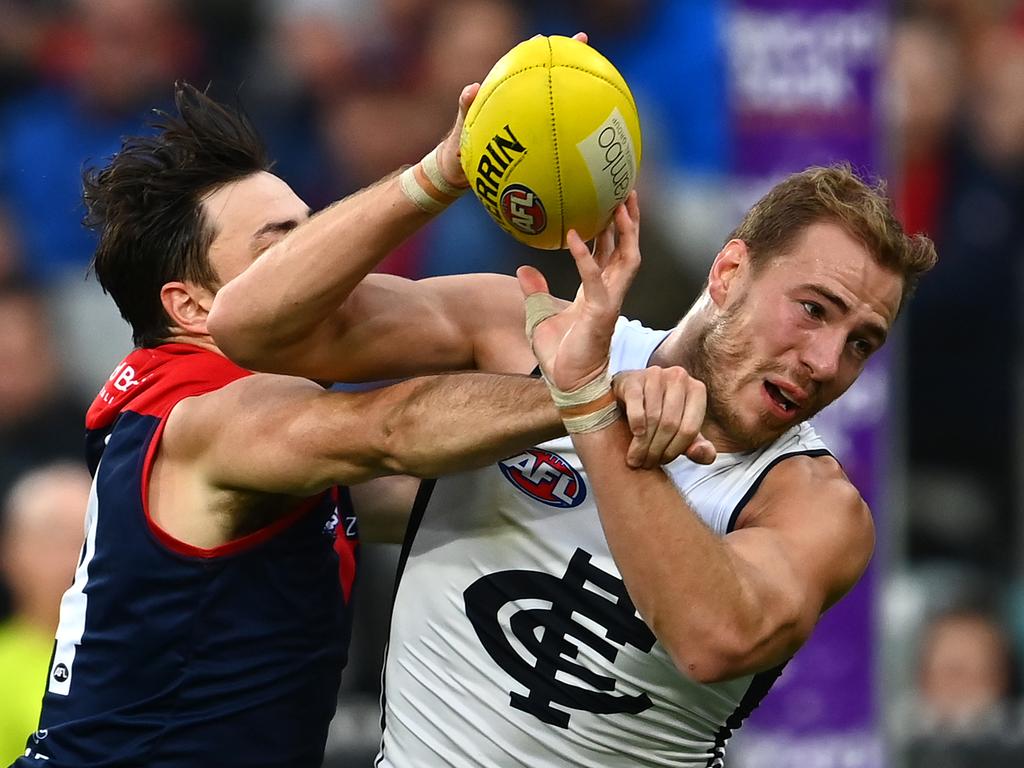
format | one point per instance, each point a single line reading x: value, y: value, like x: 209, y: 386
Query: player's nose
x: 822, y: 353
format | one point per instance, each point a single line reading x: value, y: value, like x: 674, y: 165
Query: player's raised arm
x: 307, y: 307
x: 285, y: 301
x: 393, y: 327
x: 721, y: 607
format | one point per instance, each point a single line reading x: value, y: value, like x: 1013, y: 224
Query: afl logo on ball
x: 545, y: 477
x: 523, y: 209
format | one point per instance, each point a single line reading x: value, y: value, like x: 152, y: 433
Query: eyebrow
x: 875, y: 329
x: 284, y: 226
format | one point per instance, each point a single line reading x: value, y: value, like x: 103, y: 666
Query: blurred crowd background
x: 345, y: 91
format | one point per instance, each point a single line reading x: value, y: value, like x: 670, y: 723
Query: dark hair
x: 146, y: 204
x: 835, y: 193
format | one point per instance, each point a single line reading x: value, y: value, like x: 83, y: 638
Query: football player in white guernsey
x: 574, y: 604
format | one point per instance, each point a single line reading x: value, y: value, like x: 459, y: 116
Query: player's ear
x: 187, y: 305
x: 726, y: 269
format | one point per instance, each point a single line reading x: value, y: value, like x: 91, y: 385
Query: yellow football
x: 552, y: 141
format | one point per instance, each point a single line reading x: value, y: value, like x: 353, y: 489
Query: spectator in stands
x: 23, y: 38
x: 104, y: 69
x: 39, y: 421
x: 980, y: 234
x: 965, y: 674
x: 40, y: 540
x: 923, y: 79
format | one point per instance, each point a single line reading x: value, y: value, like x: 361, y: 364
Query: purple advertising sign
x: 802, y: 87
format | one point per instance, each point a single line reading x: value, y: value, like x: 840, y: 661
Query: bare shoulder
x: 811, y: 505
x: 799, y: 482
x: 195, y: 422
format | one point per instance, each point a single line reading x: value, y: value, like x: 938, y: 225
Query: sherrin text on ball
x: 552, y: 141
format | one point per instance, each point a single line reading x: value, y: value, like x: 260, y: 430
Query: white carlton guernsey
x: 513, y: 640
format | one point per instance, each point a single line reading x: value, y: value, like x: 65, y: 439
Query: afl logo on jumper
x: 523, y: 209
x: 545, y: 477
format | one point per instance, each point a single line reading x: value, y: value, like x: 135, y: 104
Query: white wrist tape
x: 411, y: 187
x: 592, y: 422
x: 594, y: 389
x: 539, y: 307
x: 432, y: 170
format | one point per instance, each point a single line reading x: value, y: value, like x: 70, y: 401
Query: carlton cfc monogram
x: 554, y: 654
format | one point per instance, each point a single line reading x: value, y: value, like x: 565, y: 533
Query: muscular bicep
x: 802, y: 543
x: 391, y: 327
x: 277, y: 434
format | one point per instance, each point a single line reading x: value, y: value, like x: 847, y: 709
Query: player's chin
x: 763, y: 430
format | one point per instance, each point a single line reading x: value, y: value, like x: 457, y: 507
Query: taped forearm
x: 590, y: 407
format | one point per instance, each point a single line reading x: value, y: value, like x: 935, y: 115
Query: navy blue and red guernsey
x: 171, y: 655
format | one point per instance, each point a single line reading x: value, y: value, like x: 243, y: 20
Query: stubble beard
x: 721, y: 358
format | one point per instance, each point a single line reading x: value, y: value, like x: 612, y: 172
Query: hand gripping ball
x: 552, y: 141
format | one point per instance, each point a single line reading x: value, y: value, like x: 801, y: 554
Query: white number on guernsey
x: 72, y: 608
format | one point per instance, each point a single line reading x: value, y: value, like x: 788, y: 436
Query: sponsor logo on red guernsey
x: 545, y: 477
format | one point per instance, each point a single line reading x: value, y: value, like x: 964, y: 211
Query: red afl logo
x: 523, y: 209
x: 545, y: 477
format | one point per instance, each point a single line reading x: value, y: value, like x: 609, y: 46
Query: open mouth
x: 779, y: 398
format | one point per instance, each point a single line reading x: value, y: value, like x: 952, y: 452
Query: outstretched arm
x: 232, y: 460
x: 282, y: 434
x: 752, y: 597
x: 285, y: 435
